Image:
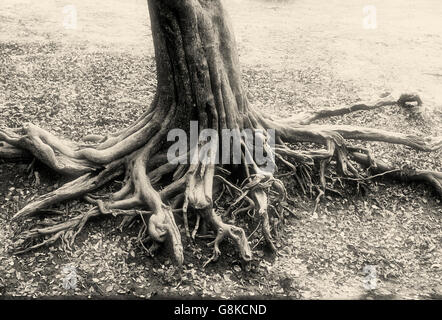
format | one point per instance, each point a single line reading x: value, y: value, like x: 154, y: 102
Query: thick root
x: 73, y: 189
x: 11, y: 153
x: 261, y: 205
x: 385, y: 100
x: 379, y: 167
x: 55, y: 153
x: 155, y: 189
x: 223, y: 230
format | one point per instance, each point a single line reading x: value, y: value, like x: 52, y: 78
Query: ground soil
x: 295, y: 55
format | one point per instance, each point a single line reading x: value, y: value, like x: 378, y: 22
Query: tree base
x: 156, y: 190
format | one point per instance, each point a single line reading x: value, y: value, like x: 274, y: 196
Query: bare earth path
x: 295, y: 55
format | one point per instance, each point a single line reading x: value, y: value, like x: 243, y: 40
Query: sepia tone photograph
x: 221, y: 149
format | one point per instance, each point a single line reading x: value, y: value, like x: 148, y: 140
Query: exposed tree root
x: 156, y: 189
x: 73, y: 189
x: 11, y: 153
x: 227, y: 230
x: 379, y: 167
x: 198, y: 79
x: 386, y: 100
x: 58, y: 155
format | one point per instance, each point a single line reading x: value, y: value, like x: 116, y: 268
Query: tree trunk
x: 198, y: 79
x: 197, y: 63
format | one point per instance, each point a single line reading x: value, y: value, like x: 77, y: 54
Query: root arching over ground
x: 198, y: 79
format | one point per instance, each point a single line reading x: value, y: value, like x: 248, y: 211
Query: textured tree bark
x: 198, y: 79
x: 197, y: 63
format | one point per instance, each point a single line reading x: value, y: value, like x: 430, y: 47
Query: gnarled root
x: 223, y: 230
x: 97, y: 166
x: 157, y: 190
x: 379, y: 167
x: 335, y: 138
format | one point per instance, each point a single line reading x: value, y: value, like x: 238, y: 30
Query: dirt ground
x: 295, y: 56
